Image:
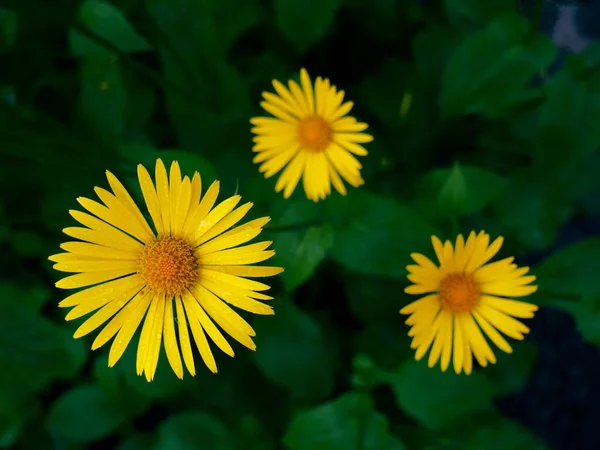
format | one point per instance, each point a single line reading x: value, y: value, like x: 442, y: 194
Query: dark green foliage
x: 471, y: 130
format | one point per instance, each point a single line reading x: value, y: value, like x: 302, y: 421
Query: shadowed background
x: 485, y: 115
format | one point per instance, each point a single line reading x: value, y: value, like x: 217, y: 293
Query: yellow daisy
x: 310, y: 135
x: 466, y: 299
x: 183, y: 274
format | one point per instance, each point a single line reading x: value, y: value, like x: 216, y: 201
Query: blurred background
x: 486, y: 115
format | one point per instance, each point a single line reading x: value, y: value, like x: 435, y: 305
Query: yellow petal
x: 88, y: 279
x: 184, y: 337
x: 225, y: 317
x: 125, y: 334
x: 170, y: 341
x: 199, y: 336
x: 110, y: 289
x: 151, y: 198
x: 162, y: 191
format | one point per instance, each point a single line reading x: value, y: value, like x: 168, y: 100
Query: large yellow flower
x: 181, y: 274
x: 466, y: 298
x: 310, y: 135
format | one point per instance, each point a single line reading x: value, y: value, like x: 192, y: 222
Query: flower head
x: 310, y: 137
x: 178, y: 278
x: 466, y: 299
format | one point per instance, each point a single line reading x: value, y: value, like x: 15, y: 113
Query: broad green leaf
x: 29, y: 244
x: 301, y: 252
x: 108, y: 22
x: 476, y: 12
x: 213, y: 25
x: 530, y: 211
x: 439, y: 400
x: 32, y: 350
x: 571, y: 271
x: 572, y: 104
x: 208, y: 103
x: 11, y: 426
x: 491, y: 71
x: 192, y: 430
x: 103, y: 100
x: 503, y: 434
x: 374, y: 299
x: 459, y: 191
x: 384, y: 91
x: 511, y: 371
x: 9, y: 22
x: 137, y: 442
x: 432, y: 48
x: 377, y: 234
x: 301, y: 237
x: 349, y: 422
x: 33, y: 296
x: 164, y: 385
x: 86, y: 413
x: 586, y: 313
x: 292, y: 352
x: 386, y: 343
x: 305, y: 22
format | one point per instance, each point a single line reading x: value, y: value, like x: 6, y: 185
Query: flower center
x: 459, y: 293
x: 169, y: 265
x: 314, y: 133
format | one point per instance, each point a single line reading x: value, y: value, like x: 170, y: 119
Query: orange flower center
x: 314, y: 133
x: 169, y: 265
x: 459, y: 293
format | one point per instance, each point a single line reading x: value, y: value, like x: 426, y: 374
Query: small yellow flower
x: 466, y: 299
x: 310, y: 135
x: 180, y: 275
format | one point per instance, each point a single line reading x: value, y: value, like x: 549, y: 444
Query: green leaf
x: 530, y: 211
x: 208, y: 103
x: 572, y: 103
x: 586, y: 313
x: 460, y: 191
x: 571, y: 271
x: 109, y: 23
x: 378, y: 234
x: 511, y: 371
x: 474, y: 11
x: 432, y: 48
x: 164, y: 385
x: 212, y: 25
x: 86, y: 413
x: 305, y: 22
x: 348, y: 422
x: 373, y: 299
x: 103, y: 100
x: 32, y: 350
x: 384, y: 91
x: 9, y: 21
x: 440, y: 400
x: 566, y: 280
x: 189, y: 430
x: 292, y: 352
x: 300, y: 253
x: 501, y: 435
x: 491, y: 71
x: 137, y: 442
x: 29, y: 244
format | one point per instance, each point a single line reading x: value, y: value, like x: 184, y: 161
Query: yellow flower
x: 466, y: 298
x: 181, y: 274
x: 311, y: 136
